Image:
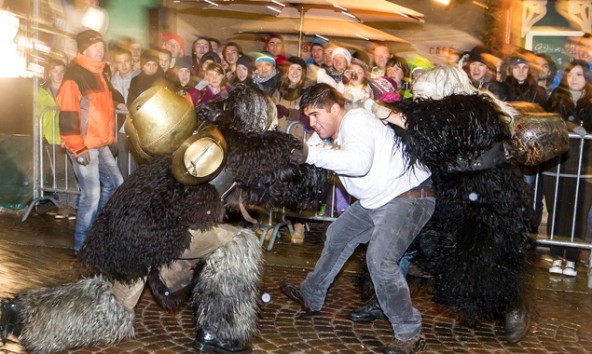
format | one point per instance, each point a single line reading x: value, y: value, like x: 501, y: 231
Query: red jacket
x: 87, y: 119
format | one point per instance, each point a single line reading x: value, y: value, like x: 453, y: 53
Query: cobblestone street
x: 38, y: 253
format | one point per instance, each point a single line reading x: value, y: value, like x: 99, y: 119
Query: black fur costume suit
x: 152, y: 219
x: 475, y: 242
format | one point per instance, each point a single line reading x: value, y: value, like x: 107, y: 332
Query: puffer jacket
x: 87, y: 119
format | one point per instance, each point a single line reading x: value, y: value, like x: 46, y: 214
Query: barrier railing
x: 56, y: 174
x: 551, y: 240
x: 582, y: 176
x: 62, y: 181
x: 277, y: 218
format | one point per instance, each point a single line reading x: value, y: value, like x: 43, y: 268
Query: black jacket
x: 528, y: 91
x: 578, y: 114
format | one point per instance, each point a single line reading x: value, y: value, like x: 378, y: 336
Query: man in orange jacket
x: 87, y: 127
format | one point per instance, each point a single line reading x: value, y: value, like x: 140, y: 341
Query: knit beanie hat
x: 385, y: 90
x: 482, y: 55
x: 184, y: 63
x: 344, y: 52
x: 246, y: 61
x: 168, y: 36
x: 516, y: 59
x: 87, y: 38
x: 149, y: 55
x: 297, y: 61
x: 265, y: 57
x: 210, y: 56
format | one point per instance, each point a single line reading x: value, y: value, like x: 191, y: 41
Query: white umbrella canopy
x: 327, y: 18
x: 315, y: 27
x: 360, y: 10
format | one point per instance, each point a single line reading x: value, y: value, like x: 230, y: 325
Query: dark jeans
x: 388, y: 230
x: 561, y: 212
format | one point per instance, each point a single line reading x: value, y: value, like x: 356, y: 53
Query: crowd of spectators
x: 212, y: 67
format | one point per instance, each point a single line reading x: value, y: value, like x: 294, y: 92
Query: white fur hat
x: 344, y: 52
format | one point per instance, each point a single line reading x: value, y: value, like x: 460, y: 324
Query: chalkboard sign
x: 559, y: 45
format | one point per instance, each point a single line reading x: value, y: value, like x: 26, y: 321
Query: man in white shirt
x: 394, y: 203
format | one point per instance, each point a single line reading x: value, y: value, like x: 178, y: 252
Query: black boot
x: 368, y: 313
x: 517, y: 323
x: 9, y: 322
x: 206, y: 342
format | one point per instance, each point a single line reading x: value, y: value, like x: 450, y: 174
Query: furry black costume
x: 151, y: 223
x: 259, y: 163
x: 475, y: 242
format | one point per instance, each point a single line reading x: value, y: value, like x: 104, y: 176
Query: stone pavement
x: 38, y: 253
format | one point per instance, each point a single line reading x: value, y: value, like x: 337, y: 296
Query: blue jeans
x: 388, y: 230
x: 102, y: 169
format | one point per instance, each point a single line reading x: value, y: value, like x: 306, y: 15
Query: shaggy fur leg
x: 75, y: 315
x: 226, y: 296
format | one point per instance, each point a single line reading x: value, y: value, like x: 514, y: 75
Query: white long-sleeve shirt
x: 368, y: 162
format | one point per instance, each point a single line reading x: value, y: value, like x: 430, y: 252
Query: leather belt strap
x: 418, y: 193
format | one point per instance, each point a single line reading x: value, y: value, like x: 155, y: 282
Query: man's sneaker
x: 9, y: 323
x: 293, y: 293
x: 71, y: 213
x: 62, y: 213
x: 570, y: 269
x: 409, y: 346
x: 556, y: 267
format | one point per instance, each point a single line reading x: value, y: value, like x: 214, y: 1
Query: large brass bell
x: 158, y: 122
x: 537, y: 136
x: 200, y: 158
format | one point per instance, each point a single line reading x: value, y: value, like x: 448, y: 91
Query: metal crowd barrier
x: 45, y: 188
x: 49, y: 155
x: 278, y: 218
x: 283, y: 216
x: 581, y: 176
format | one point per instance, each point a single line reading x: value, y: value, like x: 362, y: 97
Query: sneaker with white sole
x: 62, y: 213
x: 556, y: 267
x: 71, y: 213
x: 570, y: 269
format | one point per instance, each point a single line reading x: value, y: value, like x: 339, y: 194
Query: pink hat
x: 385, y: 90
